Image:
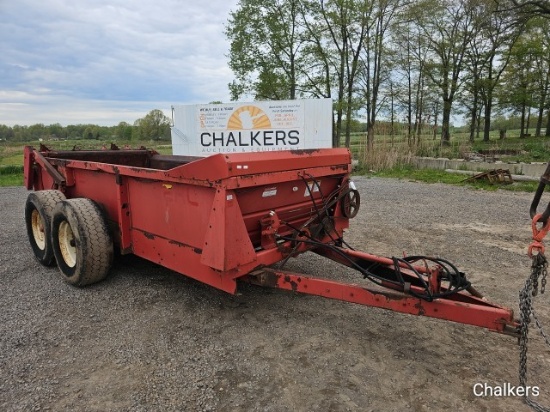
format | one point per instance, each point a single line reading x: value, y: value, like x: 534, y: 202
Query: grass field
x: 391, y: 155
x: 11, y: 155
x: 440, y: 176
x: 531, y: 149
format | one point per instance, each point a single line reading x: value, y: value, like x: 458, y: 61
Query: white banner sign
x: 202, y: 130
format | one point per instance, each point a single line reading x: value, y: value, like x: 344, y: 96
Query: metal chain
x: 530, y: 289
x: 539, y: 326
x: 544, y: 273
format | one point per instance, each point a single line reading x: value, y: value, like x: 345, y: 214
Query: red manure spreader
x: 229, y: 218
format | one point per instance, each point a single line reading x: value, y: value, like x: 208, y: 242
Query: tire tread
x: 95, y: 241
x: 45, y: 200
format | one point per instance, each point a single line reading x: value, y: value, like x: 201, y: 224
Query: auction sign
x: 206, y: 129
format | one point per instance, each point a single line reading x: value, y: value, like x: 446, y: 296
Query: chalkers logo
x: 248, y: 117
x: 248, y: 128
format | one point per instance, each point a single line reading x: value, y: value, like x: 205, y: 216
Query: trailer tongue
x: 229, y: 218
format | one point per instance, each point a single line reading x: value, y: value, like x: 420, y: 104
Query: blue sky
x: 102, y: 62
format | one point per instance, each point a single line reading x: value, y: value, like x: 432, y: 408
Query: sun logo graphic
x: 248, y: 117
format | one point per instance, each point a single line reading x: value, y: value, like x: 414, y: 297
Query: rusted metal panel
x: 227, y: 244
x: 124, y: 216
x: 57, y: 177
x: 28, y: 158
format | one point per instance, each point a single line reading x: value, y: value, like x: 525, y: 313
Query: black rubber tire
x: 38, y: 219
x: 82, y: 244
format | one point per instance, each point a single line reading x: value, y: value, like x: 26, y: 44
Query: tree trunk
x: 435, y: 124
x: 338, y: 128
x: 478, y: 125
x: 473, y: 121
x: 370, y: 138
x: 409, y: 115
x: 487, y: 120
x: 409, y: 102
x: 542, y: 104
x: 335, y: 137
x: 539, y: 121
x: 292, y: 78
x: 445, y: 123
x: 339, y: 108
x: 522, y: 125
x: 348, y: 116
x: 392, y: 120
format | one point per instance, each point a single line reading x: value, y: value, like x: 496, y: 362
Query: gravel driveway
x: 147, y: 339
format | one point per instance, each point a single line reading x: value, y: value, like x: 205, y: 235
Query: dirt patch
x: 149, y: 339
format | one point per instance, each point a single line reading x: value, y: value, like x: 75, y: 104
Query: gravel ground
x: 147, y: 339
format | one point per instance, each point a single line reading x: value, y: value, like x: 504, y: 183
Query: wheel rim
x: 350, y: 205
x: 37, y: 225
x: 67, y: 244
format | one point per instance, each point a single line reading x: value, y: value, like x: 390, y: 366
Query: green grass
x: 164, y: 149
x: 11, y: 170
x: 530, y: 150
x: 12, y: 159
x: 422, y: 175
x: 11, y: 155
x: 11, y: 175
x: 11, y: 180
x: 440, y: 176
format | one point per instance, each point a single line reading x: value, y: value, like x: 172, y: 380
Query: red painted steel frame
x: 199, y: 216
x: 467, y: 309
x: 226, y: 217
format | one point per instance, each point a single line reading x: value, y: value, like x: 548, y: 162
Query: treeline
x: 154, y: 126
x: 145, y: 130
x: 418, y: 62
x: 498, y: 123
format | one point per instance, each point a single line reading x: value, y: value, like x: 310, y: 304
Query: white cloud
x: 68, y: 61
x: 50, y: 109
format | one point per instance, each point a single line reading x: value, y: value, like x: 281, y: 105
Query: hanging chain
x: 530, y: 289
x: 544, y: 273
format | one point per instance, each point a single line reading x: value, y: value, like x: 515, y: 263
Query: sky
x: 103, y: 62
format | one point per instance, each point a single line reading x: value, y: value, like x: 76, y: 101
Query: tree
x: 525, y: 8
x: 6, y: 133
x: 448, y: 30
x: 376, y: 66
x: 56, y: 131
x: 346, y: 25
x: 538, y: 27
x: 136, y: 129
x: 298, y: 48
x: 411, y: 87
x: 521, y: 74
x: 123, y: 131
x: 266, y: 42
x: 88, y: 133
x: 498, y: 32
x: 154, y: 126
x: 37, y: 132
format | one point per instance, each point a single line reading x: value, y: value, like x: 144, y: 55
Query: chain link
x: 543, y: 281
x: 530, y: 289
x: 539, y: 326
